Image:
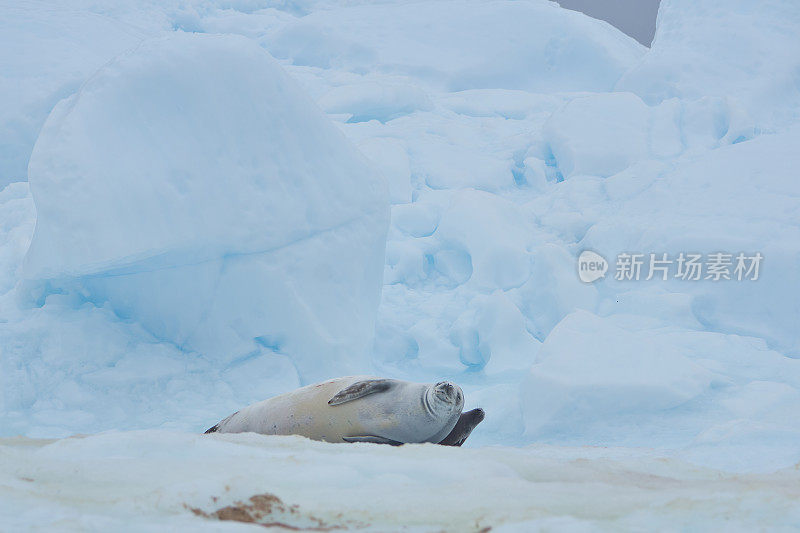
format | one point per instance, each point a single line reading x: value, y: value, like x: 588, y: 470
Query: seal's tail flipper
x: 466, y: 423
x: 215, y: 427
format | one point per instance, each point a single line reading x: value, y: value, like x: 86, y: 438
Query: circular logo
x: 591, y: 266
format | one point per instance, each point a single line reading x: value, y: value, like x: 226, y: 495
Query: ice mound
x: 600, y: 134
x: 193, y: 187
x: 389, y: 156
x: 591, y: 369
x: 738, y: 198
x: 736, y: 49
x: 604, y: 134
x: 470, y: 249
x: 374, y: 101
x: 45, y: 55
x: 17, y: 220
x: 595, y: 375
x: 459, y: 45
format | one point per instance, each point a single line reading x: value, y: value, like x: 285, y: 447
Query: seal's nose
x: 446, y: 387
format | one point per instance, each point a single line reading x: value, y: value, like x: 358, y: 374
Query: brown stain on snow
x: 269, y: 511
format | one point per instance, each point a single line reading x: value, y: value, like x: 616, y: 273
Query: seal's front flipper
x: 374, y: 439
x: 360, y: 389
x: 466, y: 423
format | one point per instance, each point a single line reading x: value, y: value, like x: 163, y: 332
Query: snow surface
x: 205, y: 238
x: 153, y: 480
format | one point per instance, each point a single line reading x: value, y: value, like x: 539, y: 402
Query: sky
x: 637, y: 18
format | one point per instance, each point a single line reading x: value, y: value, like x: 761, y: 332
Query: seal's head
x: 444, y: 399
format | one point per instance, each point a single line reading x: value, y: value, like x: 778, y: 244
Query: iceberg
x: 191, y: 186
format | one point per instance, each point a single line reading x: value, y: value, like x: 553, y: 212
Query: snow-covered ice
x: 156, y: 480
x: 457, y: 45
x: 217, y: 189
x: 48, y: 52
x: 191, y: 186
x: 736, y: 50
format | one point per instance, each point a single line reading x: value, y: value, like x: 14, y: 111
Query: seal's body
x: 355, y: 409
